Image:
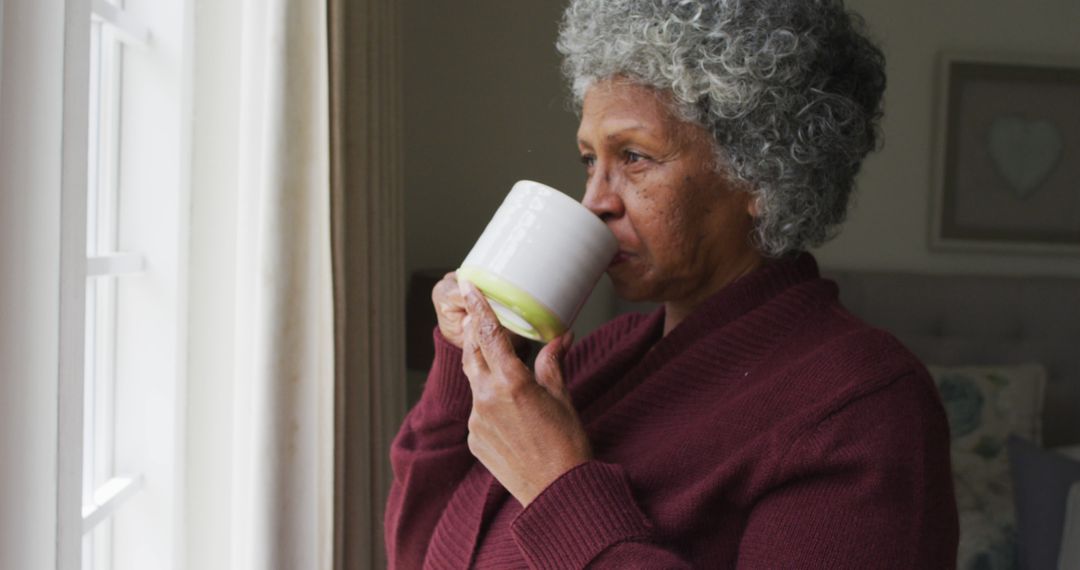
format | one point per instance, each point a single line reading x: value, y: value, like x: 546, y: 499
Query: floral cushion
x: 984, y: 405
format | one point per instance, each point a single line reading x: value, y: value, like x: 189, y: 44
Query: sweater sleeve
x: 869, y: 487
x: 588, y: 518
x: 429, y: 457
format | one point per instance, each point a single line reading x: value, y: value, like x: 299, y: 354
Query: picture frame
x: 1007, y: 155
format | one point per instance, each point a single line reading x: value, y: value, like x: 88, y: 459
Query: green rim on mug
x: 516, y: 309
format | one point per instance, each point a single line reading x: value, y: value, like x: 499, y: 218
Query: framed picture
x: 1007, y: 171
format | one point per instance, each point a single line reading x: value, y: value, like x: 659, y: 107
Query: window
x: 133, y: 372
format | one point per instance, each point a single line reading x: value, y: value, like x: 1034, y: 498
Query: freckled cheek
x: 638, y: 198
x: 689, y: 229
x: 640, y: 190
x: 657, y: 228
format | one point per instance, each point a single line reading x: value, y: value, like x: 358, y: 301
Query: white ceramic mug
x: 538, y: 260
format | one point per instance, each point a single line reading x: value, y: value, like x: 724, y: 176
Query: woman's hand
x: 449, y: 308
x: 450, y: 312
x: 523, y: 428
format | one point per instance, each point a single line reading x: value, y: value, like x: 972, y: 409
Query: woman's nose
x: 602, y: 197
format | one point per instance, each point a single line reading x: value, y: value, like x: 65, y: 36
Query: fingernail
x: 568, y: 339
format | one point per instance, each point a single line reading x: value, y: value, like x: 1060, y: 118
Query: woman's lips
x: 619, y: 258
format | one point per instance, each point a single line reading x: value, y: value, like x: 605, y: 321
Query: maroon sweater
x: 770, y: 429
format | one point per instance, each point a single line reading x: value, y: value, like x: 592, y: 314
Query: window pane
x: 96, y: 551
x: 108, y: 148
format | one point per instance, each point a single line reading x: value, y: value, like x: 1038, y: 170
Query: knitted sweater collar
x: 644, y: 350
x: 744, y: 294
x: 732, y: 301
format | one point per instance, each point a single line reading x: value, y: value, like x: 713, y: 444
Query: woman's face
x: 683, y: 228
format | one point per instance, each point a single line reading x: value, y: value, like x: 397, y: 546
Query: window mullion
x: 115, y: 264
x: 129, y: 29
x: 108, y: 498
x: 89, y: 400
x: 108, y: 205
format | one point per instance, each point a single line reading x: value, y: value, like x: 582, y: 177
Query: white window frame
x: 103, y: 492
x: 143, y: 500
x: 74, y: 165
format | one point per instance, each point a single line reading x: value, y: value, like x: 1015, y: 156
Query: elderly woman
x: 751, y: 421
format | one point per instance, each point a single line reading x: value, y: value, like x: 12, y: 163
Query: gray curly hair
x: 791, y: 91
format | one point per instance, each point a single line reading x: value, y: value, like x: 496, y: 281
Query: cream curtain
x: 284, y: 401
x: 320, y: 316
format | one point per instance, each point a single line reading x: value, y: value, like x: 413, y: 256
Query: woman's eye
x: 632, y: 157
x: 588, y: 160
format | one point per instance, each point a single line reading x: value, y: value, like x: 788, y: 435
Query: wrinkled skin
x: 683, y: 227
x: 683, y: 231
x: 523, y: 426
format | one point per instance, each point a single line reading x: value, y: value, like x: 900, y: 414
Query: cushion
x: 985, y: 404
x: 1069, y: 558
x: 1042, y: 480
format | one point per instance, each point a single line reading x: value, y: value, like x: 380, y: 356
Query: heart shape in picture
x: 1025, y: 152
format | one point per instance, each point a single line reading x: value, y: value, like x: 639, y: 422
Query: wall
x: 30, y: 214
x: 484, y: 108
x: 888, y: 227
x: 485, y: 105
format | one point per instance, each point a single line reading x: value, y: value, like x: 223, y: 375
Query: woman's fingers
x: 549, y: 366
x: 472, y: 358
x: 449, y: 308
x: 487, y: 334
x: 445, y: 290
x: 523, y: 428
